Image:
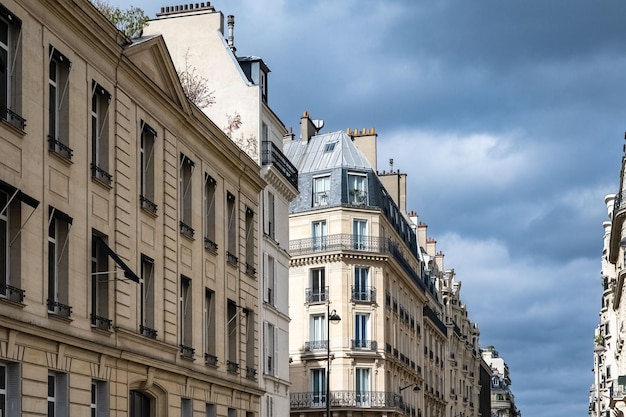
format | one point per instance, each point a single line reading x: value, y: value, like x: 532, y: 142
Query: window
x: 362, y: 290
x: 209, y: 327
x: 359, y: 234
x: 318, y: 386
x: 11, y: 66
x: 10, y: 393
x: 270, y: 279
x: 99, y: 399
x: 317, y: 332
x: 59, y: 225
x: 100, y: 100
x: 231, y: 328
x: 250, y: 269
x: 10, y: 253
x: 140, y: 404
x: 146, y: 326
x: 186, y: 407
x: 357, y: 189
x: 58, y: 105
x: 57, y: 395
x: 231, y: 218
x: 319, y: 232
x: 263, y: 83
x: 271, y: 216
x: 361, y: 331
x: 269, y: 406
x: 318, y: 292
x: 186, y: 340
x: 211, y: 410
x: 186, y: 170
x: 362, y: 384
x: 250, y: 345
x: 321, y: 188
x: 210, y: 186
x: 270, y: 349
x: 100, y: 284
x: 146, y: 175
x: 232, y: 412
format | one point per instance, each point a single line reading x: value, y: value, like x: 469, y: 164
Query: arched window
x: 139, y: 404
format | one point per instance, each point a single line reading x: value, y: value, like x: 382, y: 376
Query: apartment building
x: 129, y: 229
x: 196, y: 36
x: 502, y: 398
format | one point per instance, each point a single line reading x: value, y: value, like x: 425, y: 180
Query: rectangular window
x: 57, y: 395
x: 11, y: 66
x: 318, y: 292
x: 186, y: 340
x: 10, y: 253
x: 270, y: 349
x: 210, y: 186
x: 231, y: 219
x: 359, y: 234
x: 146, y: 174
x: 361, y: 331
x: 362, y: 384
x: 318, y: 386
x: 211, y: 410
x: 251, y: 370
x: 362, y: 290
x: 232, y: 412
x: 146, y: 326
x: 186, y: 171
x: 231, y: 328
x: 58, y: 105
x: 317, y: 332
x: 186, y: 407
x: 319, y: 234
x: 271, y: 216
x: 321, y: 189
x: 270, y: 281
x: 10, y: 389
x: 100, y: 100
x: 250, y: 269
x: 209, y: 327
x: 99, y: 398
x: 100, y: 276
x: 59, y: 225
x: 357, y: 189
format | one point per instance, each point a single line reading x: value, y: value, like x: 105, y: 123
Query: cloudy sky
x: 508, y: 117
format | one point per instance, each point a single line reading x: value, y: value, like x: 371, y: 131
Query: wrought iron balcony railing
x: 360, y: 344
x: 271, y: 155
x: 316, y: 295
x: 312, y: 345
x: 346, y: 399
x: 12, y: 293
x: 363, y: 294
x: 12, y: 117
x: 360, y: 243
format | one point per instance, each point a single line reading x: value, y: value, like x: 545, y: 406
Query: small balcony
x: 12, y: 293
x: 360, y: 344
x: 210, y: 359
x: 316, y: 295
x: 187, y: 352
x: 347, y: 399
x: 272, y: 155
x: 101, y: 323
x: 59, y: 148
x: 358, y: 197
x: 363, y: 294
x: 148, y: 332
x: 60, y: 309
x: 315, y: 345
x: 232, y: 367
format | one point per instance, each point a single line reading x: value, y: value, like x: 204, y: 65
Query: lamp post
x: 334, y: 317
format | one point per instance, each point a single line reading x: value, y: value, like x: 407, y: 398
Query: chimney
x: 231, y: 33
x: 439, y: 260
x: 289, y: 136
x: 422, y: 232
x: 431, y: 246
x: 365, y: 141
x: 307, y: 127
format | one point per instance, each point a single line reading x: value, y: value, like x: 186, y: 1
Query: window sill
x: 14, y: 303
x: 61, y: 157
x: 186, y: 230
x: 59, y: 317
x: 148, y: 206
x: 210, y: 246
x: 14, y: 128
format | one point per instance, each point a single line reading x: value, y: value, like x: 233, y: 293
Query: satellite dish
x: 319, y: 124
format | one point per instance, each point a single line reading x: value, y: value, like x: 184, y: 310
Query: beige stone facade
x: 130, y: 229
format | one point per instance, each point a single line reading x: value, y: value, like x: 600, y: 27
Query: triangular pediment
x: 150, y: 56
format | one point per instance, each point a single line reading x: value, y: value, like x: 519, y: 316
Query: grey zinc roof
x: 326, y: 151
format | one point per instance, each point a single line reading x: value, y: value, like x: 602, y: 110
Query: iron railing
x: 312, y: 345
x: 12, y: 117
x: 363, y: 294
x: 272, y: 155
x: 360, y: 344
x: 430, y: 314
x: 316, y: 295
x: 346, y: 399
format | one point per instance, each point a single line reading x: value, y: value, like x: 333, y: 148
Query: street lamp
x: 331, y: 316
x: 415, y: 387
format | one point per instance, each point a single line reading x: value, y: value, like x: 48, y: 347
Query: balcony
x: 101, y: 323
x: 358, y: 197
x: 360, y: 344
x: 12, y: 117
x: 187, y: 352
x: 363, y: 294
x: 313, y: 345
x: 359, y: 243
x: 59, y: 148
x: 59, y: 309
x: 346, y: 399
x: 12, y: 293
x: 147, y: 331
x: 272, y: 155
x: 316, y: 295
x: 232, y: 367
x: 432, y: 316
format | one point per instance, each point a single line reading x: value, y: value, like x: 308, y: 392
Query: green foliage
x: 130, y: 21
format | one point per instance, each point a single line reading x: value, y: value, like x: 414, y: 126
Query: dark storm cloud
x: 508, y: 118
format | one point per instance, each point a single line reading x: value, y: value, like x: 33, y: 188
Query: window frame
x: 186, y: 195
x: 59, y: 226
x: 320, y: 190
x: 100, y: 106
x: 100, y: 287
x: 10, y: 87
x: 147, y: 181
x: 59, y: 69
x: 210, y: 194
x: 147, y: 298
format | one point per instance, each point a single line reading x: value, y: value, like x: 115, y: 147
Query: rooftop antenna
x: 390, y: 164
